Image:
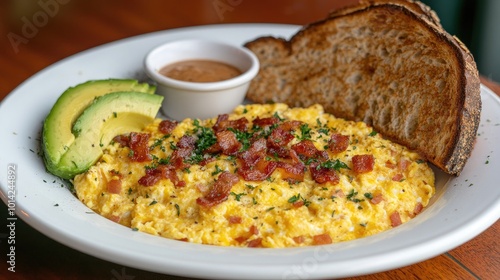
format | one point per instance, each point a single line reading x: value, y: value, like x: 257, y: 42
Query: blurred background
x: 477, y: 24
x: 37, y: 33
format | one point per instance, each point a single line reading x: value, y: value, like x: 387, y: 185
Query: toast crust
x: 387, y: 63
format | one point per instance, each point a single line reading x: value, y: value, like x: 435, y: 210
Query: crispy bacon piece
x: 114, y: 218
x: 322, y: 239
x: 299, y: 239
x: 398, y: 177
x: 290, y: 125
x: 154, y: 175
x: 298, y: 204
x: 338, y: 143
x: 292, y: 171
x: 282, y: 135
x: 167, y: 126
x: 228, y: 143
x: 322, y: 175
x: 278, y: 151
x: 223, y: 123
x: 263, y: 122
x: 255, y: 243
x: 241, y: 239
x: 377, y: 199
x: 418, y: 208
x: 256, y: 152
x: 234, y: 219
x: 259, y: 172
x: 219, y: 191
x: 253, y: 230
x: 115, y: 186
x: 363, y: 163
x: 253, y: 165
x: 306, y: 150
x: 122, y: 139
x: 183, y: 151
x: 206, y: 161
x: 390, y: 165
x: 214, y: 149
x: 138, y: 143
x: 279, y: 137
x: 395, y: 219
x: 403, y: 164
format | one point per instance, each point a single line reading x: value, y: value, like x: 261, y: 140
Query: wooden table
x: 61, y: 28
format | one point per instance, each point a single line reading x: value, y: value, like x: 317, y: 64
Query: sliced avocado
x: 109, y: 115
x: 57, y: 136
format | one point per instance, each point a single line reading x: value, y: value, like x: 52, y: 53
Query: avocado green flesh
x: 57, y: 136
x: 110, y: 115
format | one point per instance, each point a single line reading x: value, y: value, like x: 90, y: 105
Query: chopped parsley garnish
x: 352, y: 196
x: 322, y: 128
x: 373, y: 133
x: 237, y: 196
x: 158, y: 142
x: 298, y: 197
x: 333, y: 164
x: 178, y: 209
x: 164, y: 160
x: 276, y: 115
x: 130, y: 153
x: 306, y: 202
x: 305, y: 132
x: 153, y: 202
x: 205, y: 139
x: 217, y: 170
x: 294, y: 198
x: 368, y: 195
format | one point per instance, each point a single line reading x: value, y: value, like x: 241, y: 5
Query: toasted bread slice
x: 387, y: 63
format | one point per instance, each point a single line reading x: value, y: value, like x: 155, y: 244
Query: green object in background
x: 488, y: 39
x: 477, y: 24
x: 449, y: 13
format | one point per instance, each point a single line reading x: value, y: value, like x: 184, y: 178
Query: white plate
x: 463, y: 208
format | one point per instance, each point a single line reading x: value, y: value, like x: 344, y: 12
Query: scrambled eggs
x: 278, y: 211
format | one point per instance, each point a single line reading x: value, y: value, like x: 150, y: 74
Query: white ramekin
x: 201, y: 100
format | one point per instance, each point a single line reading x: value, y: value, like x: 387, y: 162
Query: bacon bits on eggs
x: 263, y: 176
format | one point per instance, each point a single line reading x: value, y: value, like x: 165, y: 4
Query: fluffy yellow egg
x: 279, y: 211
